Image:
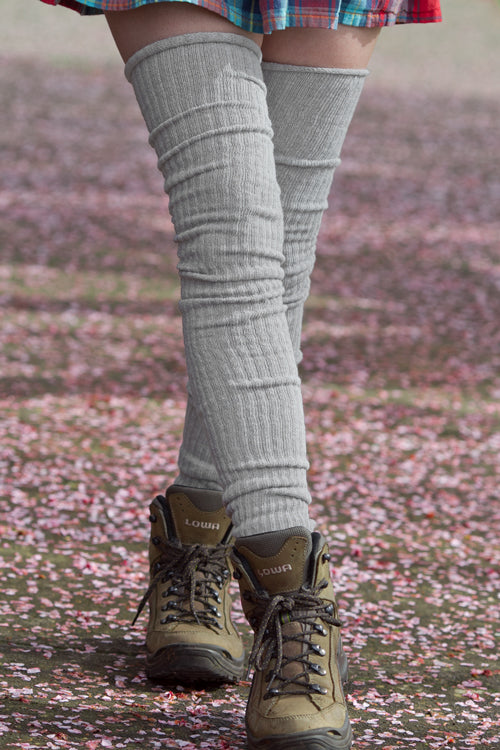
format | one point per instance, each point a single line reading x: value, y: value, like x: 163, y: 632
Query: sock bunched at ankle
x: 204, y: 101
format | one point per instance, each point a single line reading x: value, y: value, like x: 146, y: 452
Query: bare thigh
x: 134, y: 29
x: 344, y: 47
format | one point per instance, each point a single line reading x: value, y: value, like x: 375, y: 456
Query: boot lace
x: 196, y: 574
x: 276, y: 632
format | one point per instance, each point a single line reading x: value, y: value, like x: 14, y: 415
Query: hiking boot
x: 296, y: 700
x: 191, y: 638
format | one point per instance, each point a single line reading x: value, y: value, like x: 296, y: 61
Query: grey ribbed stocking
x: 204, y: 101
x: 310, y: 110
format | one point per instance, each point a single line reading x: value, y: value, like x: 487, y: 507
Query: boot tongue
x: 279, y: 560
x: 198, y: 515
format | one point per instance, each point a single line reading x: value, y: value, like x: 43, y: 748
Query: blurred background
x: 463, y: 51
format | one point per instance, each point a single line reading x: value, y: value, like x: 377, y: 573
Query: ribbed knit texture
x: 204, y: 101
x: 310, y: 110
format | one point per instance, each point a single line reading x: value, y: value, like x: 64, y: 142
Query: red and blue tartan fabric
x: 265, y: 16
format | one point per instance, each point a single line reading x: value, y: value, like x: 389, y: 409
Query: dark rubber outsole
x: 340, y: 739
x: 189, y: 665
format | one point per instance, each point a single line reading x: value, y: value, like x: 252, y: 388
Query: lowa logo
x: 272, y: 571
x: 201, y: 524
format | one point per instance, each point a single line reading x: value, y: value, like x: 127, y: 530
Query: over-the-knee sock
x: 204, y: 101
x: 310, y: 110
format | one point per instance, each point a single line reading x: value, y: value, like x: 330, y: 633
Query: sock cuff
x: 320, y: 102
x: 185, y: 40
x: 298, y: 69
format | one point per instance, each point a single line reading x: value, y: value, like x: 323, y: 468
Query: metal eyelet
x: 318, y: 649
x: 169, y: 618
x: 326, y: 557
x: 319, y: 670
x: 215, y: 596
x: 153, y: 518
x: 318, y: 688
x: 319, y: 629
x: 156, y: 540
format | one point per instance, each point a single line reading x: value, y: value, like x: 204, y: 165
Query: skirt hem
x: 305, y: 17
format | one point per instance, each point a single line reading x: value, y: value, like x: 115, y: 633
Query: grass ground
x: 401, y: 378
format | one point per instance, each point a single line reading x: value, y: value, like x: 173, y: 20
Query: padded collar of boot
x: 194, y: 516
x: 284, y: 571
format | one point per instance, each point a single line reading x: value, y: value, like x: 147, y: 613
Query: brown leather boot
x: 296, y: 700
x: 191, y: 638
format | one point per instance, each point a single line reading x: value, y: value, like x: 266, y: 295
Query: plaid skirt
x: 265, y: 16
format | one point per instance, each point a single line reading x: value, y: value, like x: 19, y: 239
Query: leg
x: 190, y: 635
x: 314, y: 79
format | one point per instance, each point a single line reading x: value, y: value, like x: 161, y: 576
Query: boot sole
x: 187, y: 664
x: 340, y: 739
